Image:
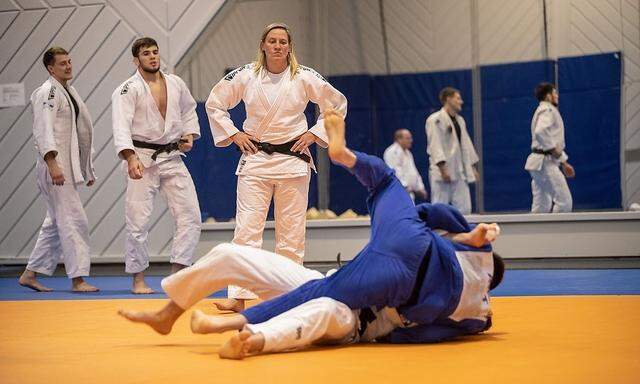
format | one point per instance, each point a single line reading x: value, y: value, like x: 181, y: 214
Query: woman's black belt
x: 281, y: 148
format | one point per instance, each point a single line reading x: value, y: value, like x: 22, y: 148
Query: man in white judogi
x: 548, y: 185
x: 452, y: 157
x: 62, y: 130
x: 154, y: 122
x: 399, y: 157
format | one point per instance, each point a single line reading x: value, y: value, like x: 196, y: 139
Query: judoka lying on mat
x: 411, y: 284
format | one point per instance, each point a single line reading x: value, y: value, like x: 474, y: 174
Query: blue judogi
x: 402, y: 250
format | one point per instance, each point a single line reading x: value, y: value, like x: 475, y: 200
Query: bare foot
x: 152, y: 319
x: 233, y: 305
x: 237, y: 347
x: 28, y: 279
x: 161, y: 321
x: 335, y: 127
x: 204, y: 324
x: 140, y: 286
x: 79, y: 285
x: 483, y: 234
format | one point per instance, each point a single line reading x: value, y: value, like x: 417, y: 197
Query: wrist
x: 131, y: 157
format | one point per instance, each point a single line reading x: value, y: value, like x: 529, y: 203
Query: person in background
x: 398, y: 156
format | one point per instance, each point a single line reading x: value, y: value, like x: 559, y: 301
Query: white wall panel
x: 233, y: 40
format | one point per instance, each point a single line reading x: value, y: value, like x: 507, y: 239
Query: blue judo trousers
x: 405, y: 265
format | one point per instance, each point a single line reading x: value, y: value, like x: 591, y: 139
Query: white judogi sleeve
x: 225, y: 95
x: 435, y: 145
x: 467, y: 146
x: 392, y: 156
x: 123, y: 106
x: 469, y: 155
x: 189, y: 117
x: 321, y: 92
x: 45, y: 105
x: 418, y: 183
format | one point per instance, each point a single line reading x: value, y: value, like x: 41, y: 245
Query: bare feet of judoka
x: 79, y: 285
x: 242, y: 345
x: 203, y: 324
x: 338, y: 151
x: 161, y: 321
x: 233, y: 305
x: 28, y: 279
x: 140, y: 286
x: 481, y: 235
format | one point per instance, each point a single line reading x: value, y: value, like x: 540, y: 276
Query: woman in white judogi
x: 276, y: 91
x: 452, y: 157
x: 63, y: 133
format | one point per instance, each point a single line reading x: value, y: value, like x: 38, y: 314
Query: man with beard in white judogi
x: 276, y: 162
x: 452, y: 158
x: 62, y: 130
x: 399, y: 157
x: 154, y: 123
x: 548, y: 185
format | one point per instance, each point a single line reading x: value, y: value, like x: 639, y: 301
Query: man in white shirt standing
x: 452, y: 157
x: 398, y: 156
x: 548, y: 185
x: 154, y: 123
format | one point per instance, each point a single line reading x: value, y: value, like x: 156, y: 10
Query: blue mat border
x: 538, y: 282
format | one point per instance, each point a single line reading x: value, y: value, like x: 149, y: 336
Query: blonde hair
x: 261, y: 59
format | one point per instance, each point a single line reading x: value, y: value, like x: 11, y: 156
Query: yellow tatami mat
x: 562, y: 339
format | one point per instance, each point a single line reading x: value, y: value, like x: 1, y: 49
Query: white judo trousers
x: 64, y: 235
x: 172, y: 179
x: 549, y: 188
x: 290, y: 198
x: 455, y: 193
x: 269, y: 275
x: 322, y: 321
x: 318, y: 321
x: 263, y: 272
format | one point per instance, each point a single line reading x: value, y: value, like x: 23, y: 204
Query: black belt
x: 366, y: 317
x: 542, y: 152
x: 158, y: 148
x: 281, y: 148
